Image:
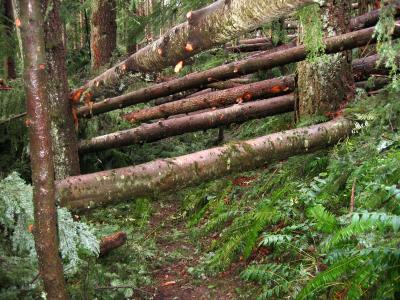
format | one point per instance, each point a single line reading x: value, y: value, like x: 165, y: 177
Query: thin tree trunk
x: 237, y: 113
x: 9, y: 60
x: 241, y: 93
x: 205, y: 28
x: 203, y: 120
x: 235, y: 69
x: 247, y: 92
x: 87, y: 191
x: 104, y: 32
x: 65, y: 150
x: 45, y: 229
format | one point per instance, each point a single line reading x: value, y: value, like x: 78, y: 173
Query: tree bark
x: 243, y: 93
x: 9, y: 61
x: 64, y: 139
x: 327, y: 82
x: 235, y: 69
x: 45, y: 233
x: 237, y: 113
x: 213, y: 25
x: 263, y: 89
x: 87, y: 191
x: 104, y: 32
x: 111, y: 242
x: 206, y: 119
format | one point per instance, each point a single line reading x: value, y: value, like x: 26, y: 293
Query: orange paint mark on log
x: 30, y: 228
x: 178, y: 66
x: 189, y: 47
x: 276, y: 89
x: 247, y: 96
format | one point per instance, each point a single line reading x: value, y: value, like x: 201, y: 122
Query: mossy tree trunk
x: 112, y: 186
x: 327, y: 82
x: 9, y: 60
x: 38, y: 121
x: 104, y: 32
x: 65, y: 150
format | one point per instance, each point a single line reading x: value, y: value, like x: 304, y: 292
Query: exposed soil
x: 178, y: 252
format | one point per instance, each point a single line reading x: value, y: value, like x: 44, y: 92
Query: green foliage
x: 16, y: 216
x: 313, y: 34
x: 388, y: 49
x: 314, y: 247
x: 13, y: 134
x: 128, y: 266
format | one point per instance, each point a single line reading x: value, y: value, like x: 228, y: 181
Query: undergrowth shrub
x: 77, y: 240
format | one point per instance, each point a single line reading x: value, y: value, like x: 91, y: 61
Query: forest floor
x: 172, y: 278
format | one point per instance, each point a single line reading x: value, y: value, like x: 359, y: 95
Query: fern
x: 330, y: 277
x: 325, y: 221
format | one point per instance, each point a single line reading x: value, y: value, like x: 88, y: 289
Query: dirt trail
x: 171, y: 276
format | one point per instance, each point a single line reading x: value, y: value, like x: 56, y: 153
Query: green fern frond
x: 325, y: 221
x: 330, y: 276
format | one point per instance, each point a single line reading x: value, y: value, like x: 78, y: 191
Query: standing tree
x: 324, y: 82
x: 66, y: 159
x: 104, y: 31
x: 9, y: 61
x: 45, y: 229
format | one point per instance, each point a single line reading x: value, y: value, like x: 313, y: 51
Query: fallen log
x: 372, y: 85
x: 250, y: 47
x: 362, y: 68
x: 180, y: 96
x: 207, y: 27
x: 262, y: 89
x: 203, y: 120
x: 112, y: 186
x: 236, y: 69
x: 111, y: 242
x: 237, y: 113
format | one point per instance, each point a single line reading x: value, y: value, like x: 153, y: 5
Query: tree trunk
x: 243, y: 93
x: 213, y: 25
x: 104, y: 32
x: 235, y: 69
x: 327, y: 82
x: 65, y: 150
x: 9, y: 61
x: 202, y: 120
x: 86, y: 191
x: 237, y: 113
x: 45, y: 231
x: 261, y: 89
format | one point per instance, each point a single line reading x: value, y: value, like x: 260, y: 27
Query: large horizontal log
x: 203, y: 120
x: 236, y: 69
x: 262, y: 89
x: 211, y: 119
x: 256, y: 90
x: 213, y: 25
x: 90, y: 190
